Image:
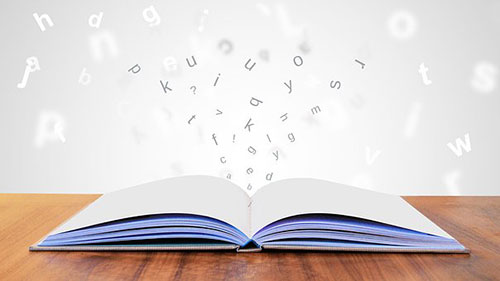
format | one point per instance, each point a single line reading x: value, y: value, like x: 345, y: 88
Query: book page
x: 291, y: 197
x: 200, y: 195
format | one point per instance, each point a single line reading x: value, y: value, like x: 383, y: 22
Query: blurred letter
x: 96, y: 42
x: 84, y: 78
x: 402, y: 25
x: 95, y: 20
x: 50, y: 127
x: 151, y: 16
x: 485, y: 77
x: 170, y: 64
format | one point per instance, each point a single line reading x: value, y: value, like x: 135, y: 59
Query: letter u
x: 194, y: 62
x: 246, y: 65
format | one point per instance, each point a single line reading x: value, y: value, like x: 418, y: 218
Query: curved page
x: 199, y: 195
x: 292, y: 197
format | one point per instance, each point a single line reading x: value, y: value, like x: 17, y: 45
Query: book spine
x: 250, y: 216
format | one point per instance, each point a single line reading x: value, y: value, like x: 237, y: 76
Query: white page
x: 291, y: 197
x: 200, y: 195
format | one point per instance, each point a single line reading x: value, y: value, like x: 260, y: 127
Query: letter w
x: 460, y: 145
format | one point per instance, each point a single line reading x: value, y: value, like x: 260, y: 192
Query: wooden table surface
x: 25, y: 218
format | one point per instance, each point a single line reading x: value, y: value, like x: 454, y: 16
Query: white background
x: 121, y: 129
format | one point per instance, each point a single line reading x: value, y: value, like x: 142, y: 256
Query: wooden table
x: 25, y: 218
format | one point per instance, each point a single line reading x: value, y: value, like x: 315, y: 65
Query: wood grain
x: 25, y: 218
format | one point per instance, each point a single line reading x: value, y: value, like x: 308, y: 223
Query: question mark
x: 194, y: 89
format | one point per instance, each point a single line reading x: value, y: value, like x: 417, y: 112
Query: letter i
x: 216, y: 80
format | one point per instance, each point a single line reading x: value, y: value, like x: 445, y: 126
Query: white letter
x: 412, y: 121
x: 461, y: 144
x: 31, y: 66
x: 170, y: 64
x: 370, y: 158
x: 402, y: 25
x: 484, y: 79
x: 50, y: 128
x: 451, y: 182
x: 423, y: 70
x: 43, y: 17
x: 84, y: 78
x: 96, y: 42
x: 151, y: 16
x: 95, y: 20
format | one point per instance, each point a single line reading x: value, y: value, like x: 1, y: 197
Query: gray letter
x: 251, y: 67
x: 255, y: 102
x: 264, y: 54
x: 226, y: 46
x: 289, y: 86
x: 216, y: 80
x: 194, y: 62
x: 276, y: 153
x: 165, y: 86
x: 135, y: 69
x: 284, y: 117
x: 252, y: 150
x: 315, y: 110
x: 335, y: 85
x: 295, y: 61
x: 248, y: 125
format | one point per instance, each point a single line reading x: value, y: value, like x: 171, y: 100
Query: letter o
x: 299, y: 58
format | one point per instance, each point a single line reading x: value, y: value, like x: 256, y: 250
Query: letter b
x: 84, y: 78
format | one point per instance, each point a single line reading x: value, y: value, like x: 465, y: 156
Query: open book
x: 208, y: 213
